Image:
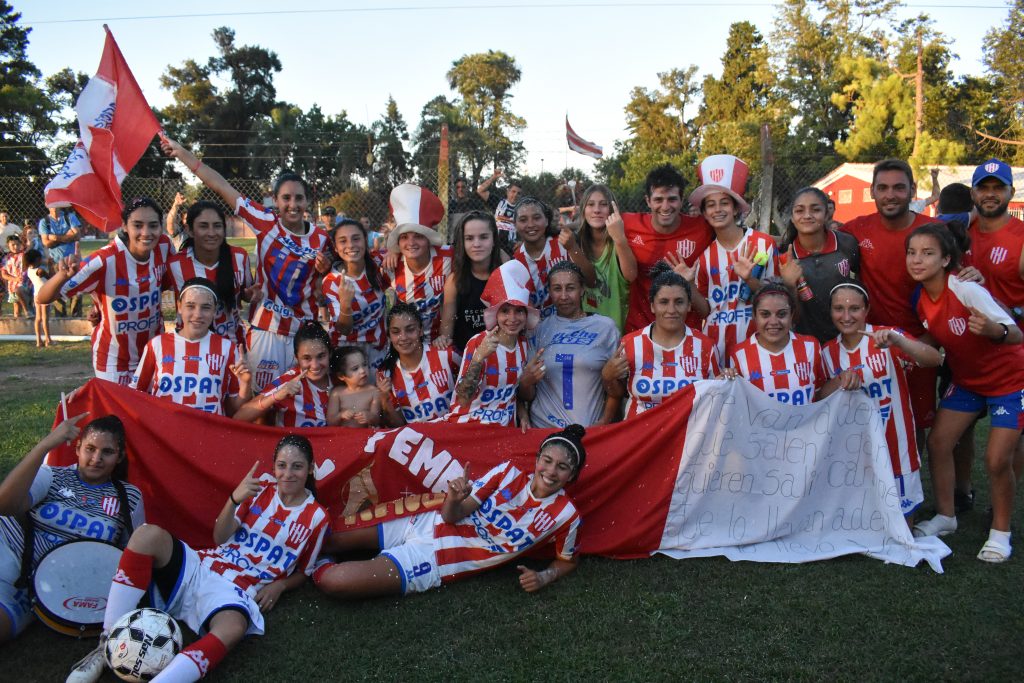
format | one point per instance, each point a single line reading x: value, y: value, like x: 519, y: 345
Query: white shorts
x: 123, y: 378
x: 270, y: 355
x: 409, y: 543
x: 15, y: 603
x: 199, y: 593
x: 910, y: 491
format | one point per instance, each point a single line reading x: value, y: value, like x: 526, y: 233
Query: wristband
x: 231, y: 497
x: 547, y: 576
x: 1006, y: 332
x: 199, y: 162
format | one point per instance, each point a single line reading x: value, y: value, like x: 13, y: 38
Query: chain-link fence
x: 22, y: 198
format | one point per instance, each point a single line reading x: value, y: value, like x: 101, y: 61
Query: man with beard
x: 653, y: 235
x: 883, y: 269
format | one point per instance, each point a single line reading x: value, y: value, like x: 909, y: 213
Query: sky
x: 577, y: 58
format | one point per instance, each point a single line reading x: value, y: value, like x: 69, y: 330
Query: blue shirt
x: 65, y: 221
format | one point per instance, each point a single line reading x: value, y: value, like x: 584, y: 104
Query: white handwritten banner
x: 763, y: 481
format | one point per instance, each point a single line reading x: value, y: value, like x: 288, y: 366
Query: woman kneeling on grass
x: 223, y: 592
x: 482, y: 524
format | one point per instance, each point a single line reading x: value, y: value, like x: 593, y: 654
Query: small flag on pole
x: 115, y: 126
x: 578, y: 144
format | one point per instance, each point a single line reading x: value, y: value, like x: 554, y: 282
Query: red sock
x: 318, y: 573
x: 205, y: 653
x: 134, y: 569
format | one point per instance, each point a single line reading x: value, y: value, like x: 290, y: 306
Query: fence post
x: 764, y: 222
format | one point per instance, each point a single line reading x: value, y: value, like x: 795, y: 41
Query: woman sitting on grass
x: 482, y: 524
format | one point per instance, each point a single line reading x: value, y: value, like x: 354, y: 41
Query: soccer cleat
x: 90, y: 668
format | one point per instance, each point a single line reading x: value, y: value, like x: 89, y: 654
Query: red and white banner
x: 115, y: 126
x: 718, y: 469
x: 578, y: 144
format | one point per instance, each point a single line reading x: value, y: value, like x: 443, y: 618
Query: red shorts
x: 922, y: 382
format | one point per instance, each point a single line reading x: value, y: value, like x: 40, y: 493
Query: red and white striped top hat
x: 416, y: 209
x: 508, y: 285
x: 722, y: 173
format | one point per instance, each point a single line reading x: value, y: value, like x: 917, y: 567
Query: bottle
x: 803, y: 290
x: 760, y: 261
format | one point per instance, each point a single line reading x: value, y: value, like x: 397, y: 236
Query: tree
x: 220, y: 124
x: 465, y: 143
x: 391, y: 163
x: 737, y: 104
x: 484, y: 81
x: 1004, y: 60
x: 26, y: 111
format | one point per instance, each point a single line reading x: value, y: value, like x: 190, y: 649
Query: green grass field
x: 658, y: 619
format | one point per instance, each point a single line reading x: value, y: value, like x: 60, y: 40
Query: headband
x: 556, y: 437
x: 200, y: 286
x: 852, y: 285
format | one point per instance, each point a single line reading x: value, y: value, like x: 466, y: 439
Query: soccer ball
x: 142, y: 643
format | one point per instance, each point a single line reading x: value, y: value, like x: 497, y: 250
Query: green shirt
x: 611, y: 295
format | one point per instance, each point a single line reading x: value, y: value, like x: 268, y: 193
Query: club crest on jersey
x: 685, y: 248
x: 111, y: 505
x: 803, y: 371
x: 998, y: 255
x: 876, y: 361
x: 958, y: 326
x: 439, y: 379
x: 541, y: 523
x: 263, y: 377
x: 215, y: 362
x: 844, y: 268
x: 690, y: 365
x: 437, y: 282
x: 298, y: 533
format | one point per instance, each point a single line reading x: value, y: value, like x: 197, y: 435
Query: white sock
x: 182, y: 669
x: 121, y: 600
x: 1000, y: 537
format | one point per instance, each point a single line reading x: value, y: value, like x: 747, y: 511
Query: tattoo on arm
x: 470, y: 382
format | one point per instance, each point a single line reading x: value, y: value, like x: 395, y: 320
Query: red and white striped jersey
x: 14, y: 267
x: 730, y: 320
x: 308, y: 408
x: 425, y: 394
x: 128, y: 293
x: 495, y: 400
x: 184, y: 266
x: 425, y: 289
x: 790, y: 376
x: 884, y: 377
x: 978, y: 364
x: 656, y: 372
x: 272, y: 542
x: 508, y: 522
x: 539, y: 267
x: 190, y: 373
x: 368, y: 306
x: 285, y: 270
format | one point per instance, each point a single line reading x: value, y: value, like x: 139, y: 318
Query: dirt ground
x: 63, y: 374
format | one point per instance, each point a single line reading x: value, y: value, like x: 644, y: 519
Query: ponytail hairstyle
x: 372, y: 270
x: 303, y: 445
x: 952, y: 238
x: 789, y: 236
x: 311, y: 330
x: 571, y: 439
x: 584, y: 232
x: 552, y: 228
x: 130, y: 208
x: 662, y: 275
x: 225, y: 287
x: 387, y: 364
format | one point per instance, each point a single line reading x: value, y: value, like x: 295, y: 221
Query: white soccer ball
x: 142, y: 643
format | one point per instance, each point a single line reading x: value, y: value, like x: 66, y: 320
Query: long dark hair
x: 952, y: 238
x: 303, y: 445
x: 225, y: 268
x: 311, y: 330
x: 372, y: 270
x: 390, y: 359
x: 790, y: 235
x: 462, y: 269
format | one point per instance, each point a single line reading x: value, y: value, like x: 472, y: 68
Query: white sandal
x: 994, y: 552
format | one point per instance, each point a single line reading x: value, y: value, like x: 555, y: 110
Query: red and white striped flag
x: 115, y: 126
x: 578, y: 144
